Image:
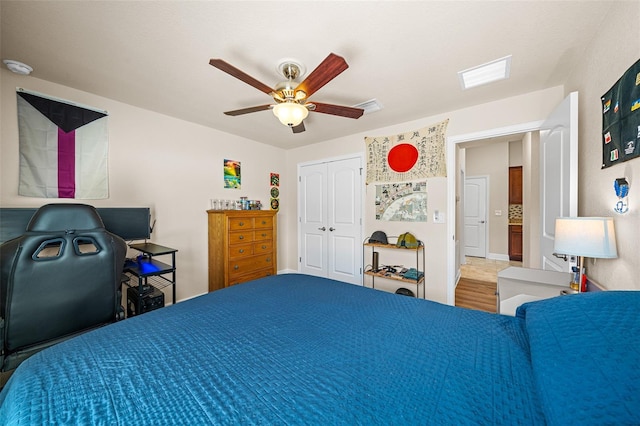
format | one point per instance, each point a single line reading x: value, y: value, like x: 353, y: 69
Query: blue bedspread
x: 290, y: 349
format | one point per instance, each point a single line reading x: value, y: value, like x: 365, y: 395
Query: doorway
x: 558, y: 133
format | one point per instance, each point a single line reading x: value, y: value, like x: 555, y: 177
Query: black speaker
x: 375, y: 261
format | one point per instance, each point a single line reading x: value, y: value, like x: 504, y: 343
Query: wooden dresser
x: 242, y: 246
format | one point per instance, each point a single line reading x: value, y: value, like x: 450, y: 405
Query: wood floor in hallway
x: 478, y: 283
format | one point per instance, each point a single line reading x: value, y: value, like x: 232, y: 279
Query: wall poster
x: 405, y: 202
x: 232, y: 175
x: 621, y: 119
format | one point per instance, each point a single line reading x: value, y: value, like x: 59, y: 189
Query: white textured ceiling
x: 406, y: 54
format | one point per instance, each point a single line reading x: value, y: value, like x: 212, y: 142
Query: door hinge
x: 300, y: 260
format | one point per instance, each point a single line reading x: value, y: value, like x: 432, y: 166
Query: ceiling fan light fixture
x: 290, y: 114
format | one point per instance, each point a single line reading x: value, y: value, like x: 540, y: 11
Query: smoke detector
x: 18, y: 67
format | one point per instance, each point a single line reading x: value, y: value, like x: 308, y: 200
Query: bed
x: 297, y: 349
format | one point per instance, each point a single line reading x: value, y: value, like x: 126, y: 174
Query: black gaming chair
x: 61, y: 278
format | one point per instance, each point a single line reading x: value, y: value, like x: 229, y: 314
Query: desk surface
x: 538, y: 276
x: 152, y: 249
x: 519, y: 285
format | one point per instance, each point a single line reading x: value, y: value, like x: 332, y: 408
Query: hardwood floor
x: 478, y: 283
x: 474, y: 294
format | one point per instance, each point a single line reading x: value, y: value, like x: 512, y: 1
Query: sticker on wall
x: 232, y: 175
x: 275, y: 191
x: 275, y: 179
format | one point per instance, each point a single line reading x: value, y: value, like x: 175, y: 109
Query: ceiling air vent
x: 369, y: 106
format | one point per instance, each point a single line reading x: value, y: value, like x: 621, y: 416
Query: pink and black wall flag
x: 63, y: 148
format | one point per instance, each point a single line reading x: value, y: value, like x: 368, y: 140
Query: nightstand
x: 520, y: 285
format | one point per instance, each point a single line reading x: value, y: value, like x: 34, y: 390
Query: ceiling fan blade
x: 342, y: 111
x: 299, y: 128
x: 324, y: 73
x: 240, y: 75
x: 247, y: 110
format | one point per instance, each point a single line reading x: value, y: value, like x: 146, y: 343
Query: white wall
x: 612, y: 51
x: 170, y: 165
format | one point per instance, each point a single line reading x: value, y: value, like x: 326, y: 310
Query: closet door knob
x: 322, y: 229
x: 332, y: 229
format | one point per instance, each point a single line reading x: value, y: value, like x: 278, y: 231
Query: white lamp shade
x: 586, y: 236
x: 290, y: 113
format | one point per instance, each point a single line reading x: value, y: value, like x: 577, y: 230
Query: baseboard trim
x: 496, y: 256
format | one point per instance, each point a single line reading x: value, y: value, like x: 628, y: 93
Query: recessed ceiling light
x: 18, y: 67
x: 485, y: 73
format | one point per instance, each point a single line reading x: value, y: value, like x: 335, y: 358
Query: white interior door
x: 330, y: 217
x: 475, y: 216
x: 559, y: 176
x: 312, y: 211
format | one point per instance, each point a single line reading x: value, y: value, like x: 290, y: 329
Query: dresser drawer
x: 241, y: 237
x: 237, y: 223
x: 243, y: 266
x: 242, y: 250
x: 251, y: 276
x: 262, y: 222
x: 262, y: 235
x: 263, y: 247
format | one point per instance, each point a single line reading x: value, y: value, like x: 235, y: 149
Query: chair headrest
x: 56, y: 217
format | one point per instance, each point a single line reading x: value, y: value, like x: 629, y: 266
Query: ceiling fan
x: 291, y: 99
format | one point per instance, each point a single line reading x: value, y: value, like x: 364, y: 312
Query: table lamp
x: 585, y: 237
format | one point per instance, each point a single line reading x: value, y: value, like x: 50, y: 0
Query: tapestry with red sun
x: 408, y: 156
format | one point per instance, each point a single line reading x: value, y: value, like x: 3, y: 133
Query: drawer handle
x: 264, y: 235
x: 264, y: 247
x: 241, y: 237
x: 236, y: 267
x: 264, y: 222
x: 241, y: 250
x: 241, y: 224
x: 268, y: 259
